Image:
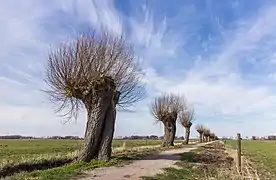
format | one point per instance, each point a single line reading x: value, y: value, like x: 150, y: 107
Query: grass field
x: 262, y: 154
x: 14, y: 149
x: 15, y: 154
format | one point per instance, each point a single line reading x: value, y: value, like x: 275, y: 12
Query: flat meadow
x: 29, y: 155
x: 17, y: 149
x: 262, y: 154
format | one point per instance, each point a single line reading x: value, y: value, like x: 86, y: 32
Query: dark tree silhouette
x: 99, y: 72
x: 165, y: 109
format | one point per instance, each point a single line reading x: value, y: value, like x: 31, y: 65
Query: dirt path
x: 148, y: 166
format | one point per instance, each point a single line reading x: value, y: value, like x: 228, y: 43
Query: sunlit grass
x: 261, y: 153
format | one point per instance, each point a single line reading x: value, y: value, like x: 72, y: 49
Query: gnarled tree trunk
x: 107, y: 136
x: 96, y: 113
x: 108, y: 131
x: 169, y: 133
x: 167, y: 130
x: 187, y: 135
x: 201, y: 138
x: 172, y: 133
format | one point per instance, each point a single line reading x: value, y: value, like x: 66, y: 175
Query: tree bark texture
x: 187, y: 135
x: 96, y: 114
x: 101, y: 116
x: 169, y: 133
x: 108, y: 130
x: 172, y: 133
x: 166, y: 133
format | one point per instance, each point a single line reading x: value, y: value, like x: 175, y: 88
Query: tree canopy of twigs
x: 186, y: 117
x: 200, y: 128
x: 89, y: 65
x: 166, y: 106
x: 165, y: 109
x: 101, y: 72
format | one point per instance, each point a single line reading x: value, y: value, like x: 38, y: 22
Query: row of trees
x: 205, y: 135
x: 167, y: 109
x: 101, y: 73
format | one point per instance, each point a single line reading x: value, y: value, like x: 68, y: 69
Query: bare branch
x: 166, y: 105
x: 206, y: 132
x: 90, y: 65
x: 200, y: 128
x: 186, y: 117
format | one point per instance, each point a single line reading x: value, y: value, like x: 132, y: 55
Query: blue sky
x: 220, y: 54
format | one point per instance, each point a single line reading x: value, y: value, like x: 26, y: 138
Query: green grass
x: 15, y: 152
x: 261, y: 153
x: 18, y: 149
x: 74, y: 169
x: 64, y: 172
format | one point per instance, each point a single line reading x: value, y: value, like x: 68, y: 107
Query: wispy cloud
x: 192, y: 48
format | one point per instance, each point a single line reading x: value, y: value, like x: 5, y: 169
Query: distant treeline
x: 31, y: 137
x: 147, y: 137
x: 79, y: 138
x: 271, y: 137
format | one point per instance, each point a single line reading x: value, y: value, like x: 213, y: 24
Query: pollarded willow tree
x: 200, y: 129
x: 99, y: 72
x: 186, y: 118
x: 212, y: 136
x: 165, y: 109
x: 206, y: 134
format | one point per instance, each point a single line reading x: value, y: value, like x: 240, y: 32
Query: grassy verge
x: 208, y: 162
x: 71, y: 170
x: 262, y: 155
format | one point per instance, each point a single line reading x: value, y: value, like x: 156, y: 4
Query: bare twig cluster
x: 90, y: 64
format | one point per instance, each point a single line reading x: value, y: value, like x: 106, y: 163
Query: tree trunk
x: 108, y: 132
x: 167, y: 130
x: 200, y: 137
x: 172, y: 133
x: 96, y: 114
x: 187, y: 136
x: 107, y: 136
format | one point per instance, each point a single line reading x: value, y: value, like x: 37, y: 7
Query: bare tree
x: 186, y: 118
x: 212, y: 136
x: 206, y: 134
x: 99, y: 72
x: 165, y: 109
x: 200, y: 129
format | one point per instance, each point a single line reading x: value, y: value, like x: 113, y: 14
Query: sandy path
x: 148, y: 166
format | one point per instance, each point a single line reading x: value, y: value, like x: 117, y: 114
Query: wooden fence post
x: 239, y: 151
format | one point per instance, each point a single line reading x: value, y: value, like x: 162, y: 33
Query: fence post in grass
x: 239, y: 151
